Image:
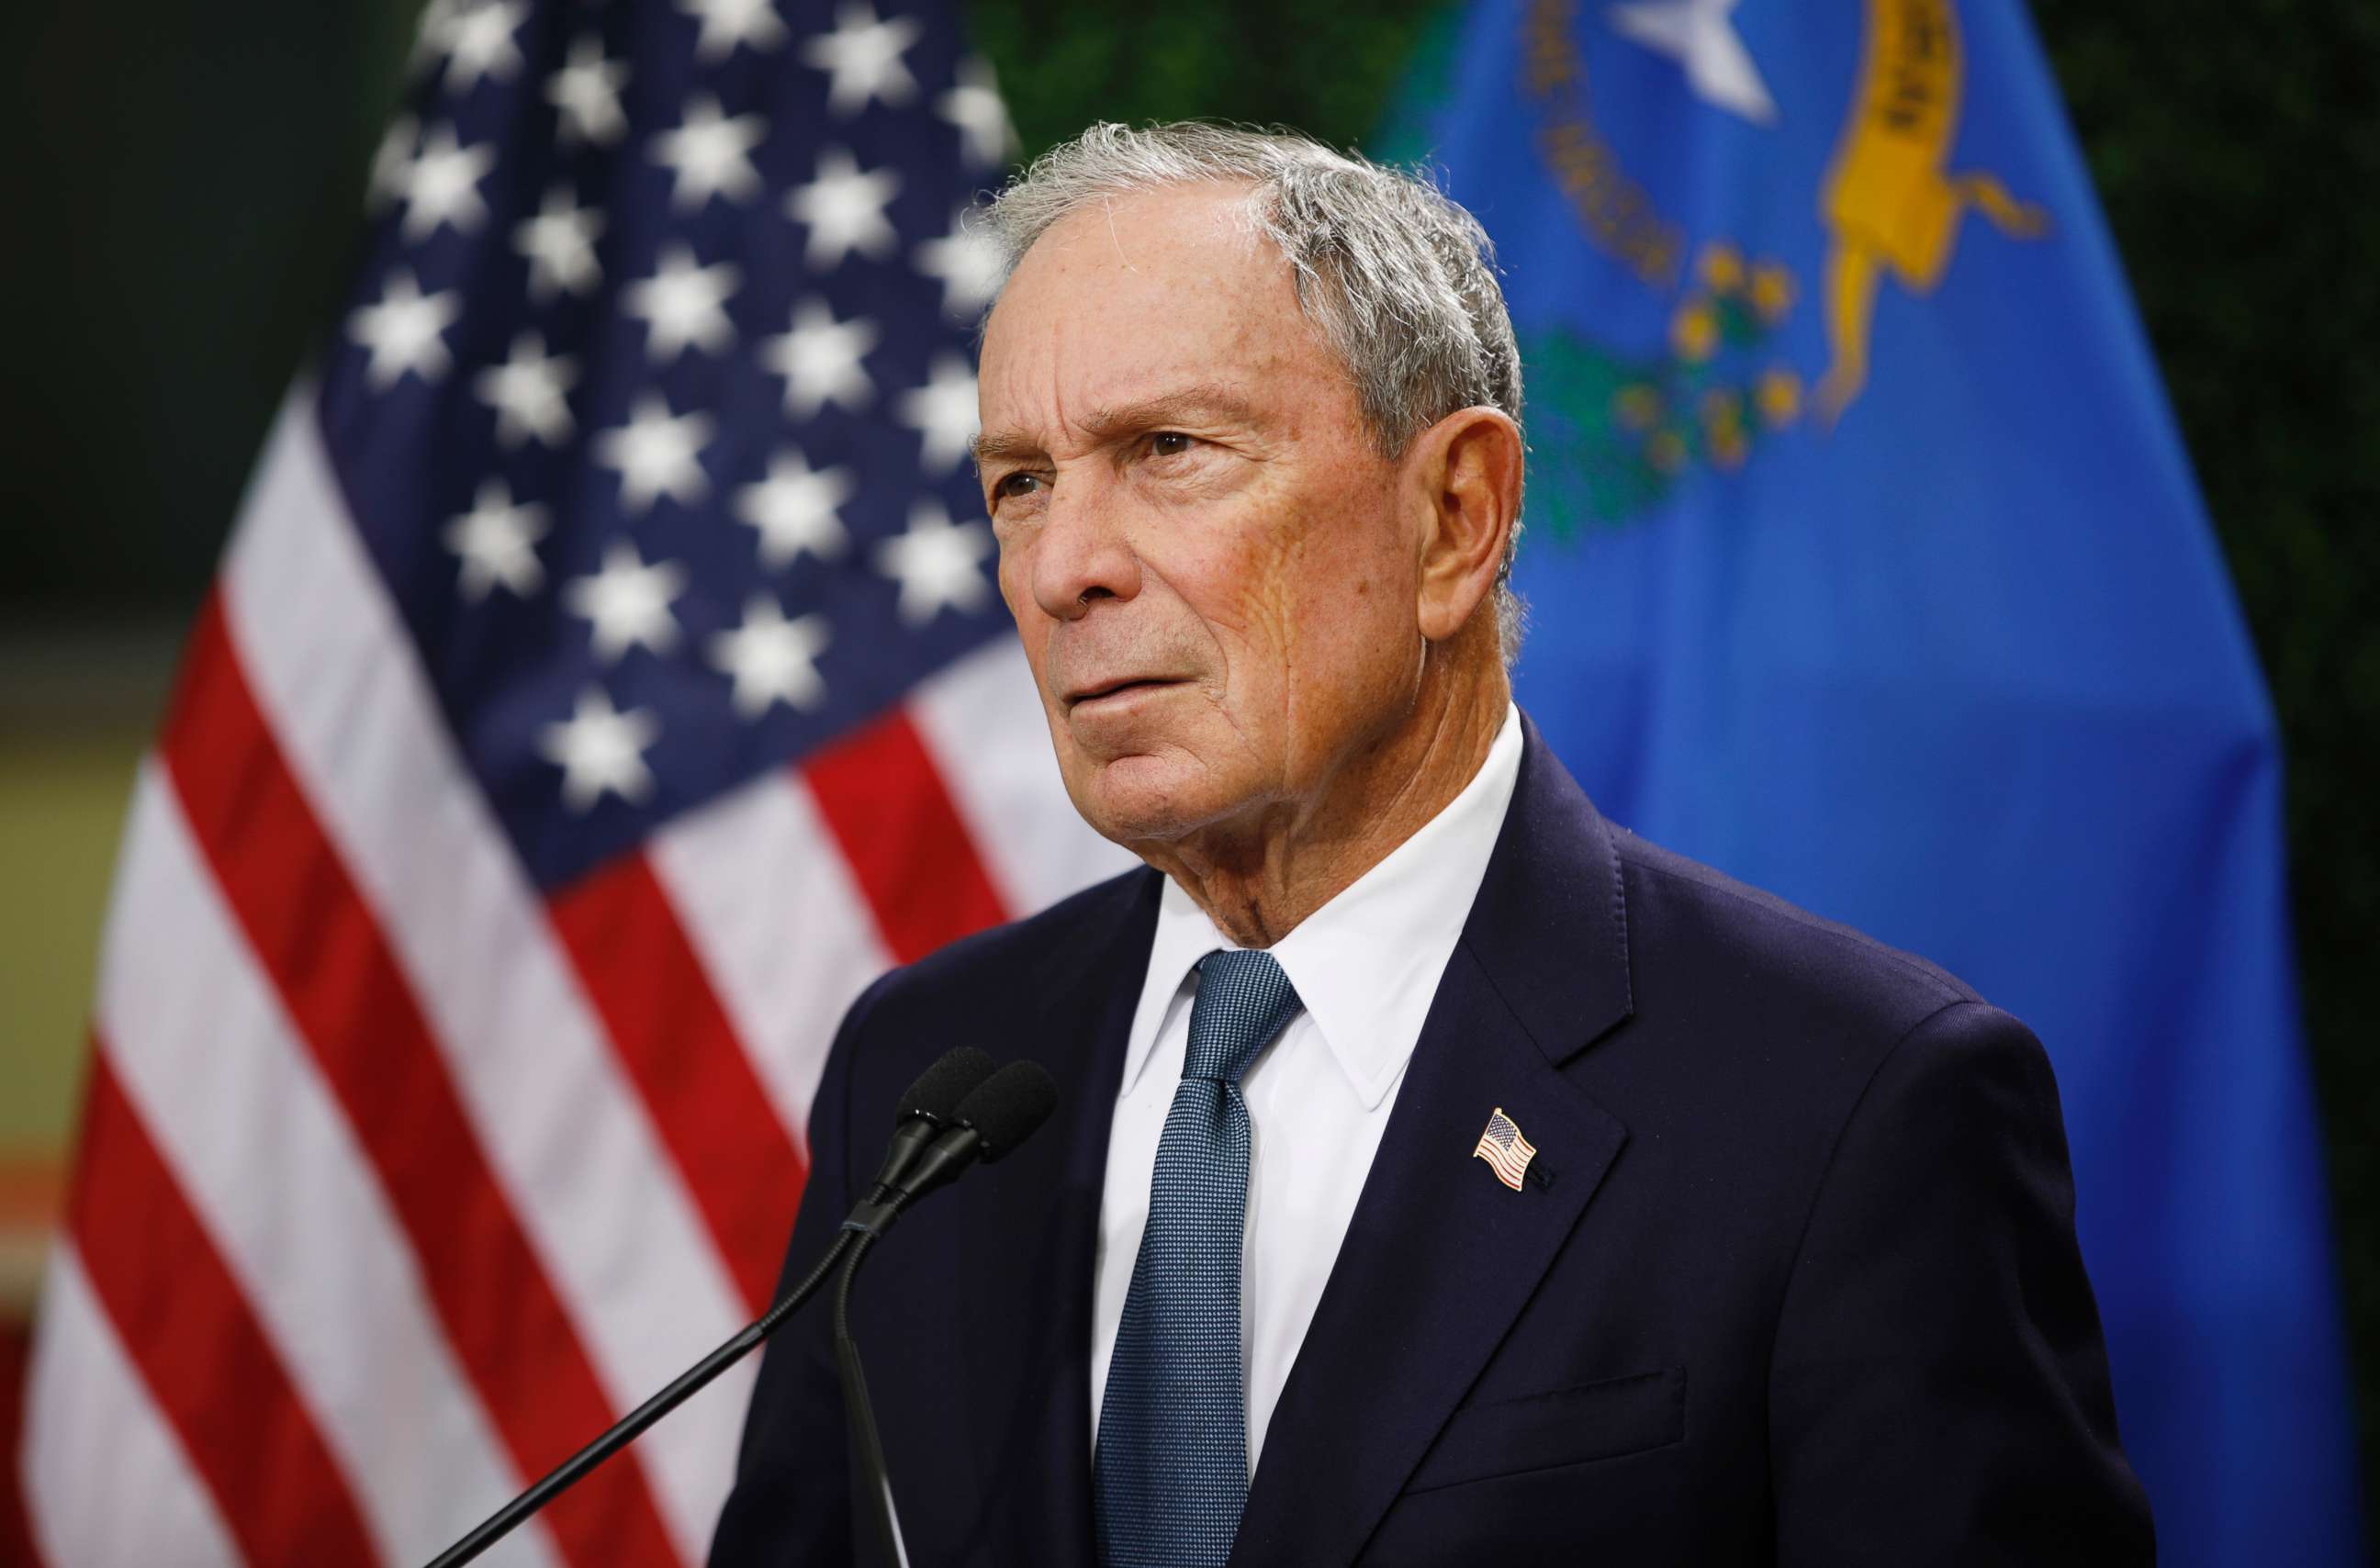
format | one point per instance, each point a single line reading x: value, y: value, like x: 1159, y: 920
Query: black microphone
x: 929, y: 1108
x: 934, y: 1109
x: 1001, y: 1111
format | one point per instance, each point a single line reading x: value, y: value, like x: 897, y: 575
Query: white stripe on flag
x: 771, y: 907
x: 583, y: 1167
x: 107, y: 1482
x: 983, y: 724
x: 260, y: 1149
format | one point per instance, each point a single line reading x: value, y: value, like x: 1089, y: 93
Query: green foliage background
x: 182, y: 185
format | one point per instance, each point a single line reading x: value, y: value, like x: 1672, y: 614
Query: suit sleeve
x: 1938, y: 1387
x: 791, y: 1505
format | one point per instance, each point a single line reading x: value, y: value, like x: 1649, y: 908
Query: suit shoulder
x: 1759, y: 1030
x: 993, y: 989
x: 989, y: 960
x: 1691, y: 924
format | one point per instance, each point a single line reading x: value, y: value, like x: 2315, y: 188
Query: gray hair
x: 1398, y: 278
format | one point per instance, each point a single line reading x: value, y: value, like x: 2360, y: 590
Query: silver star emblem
x: 600, y: 751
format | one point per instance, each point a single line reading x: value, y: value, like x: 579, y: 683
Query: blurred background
x: 184, y: 187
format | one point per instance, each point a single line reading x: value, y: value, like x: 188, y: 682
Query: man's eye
x: 1169, y: 443
x: 1016, y: 484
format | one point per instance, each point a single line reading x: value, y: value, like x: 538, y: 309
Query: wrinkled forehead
x: 1124, y: 232
x: 1126, y: 295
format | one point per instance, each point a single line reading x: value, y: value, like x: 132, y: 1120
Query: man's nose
x: 1082, y: 555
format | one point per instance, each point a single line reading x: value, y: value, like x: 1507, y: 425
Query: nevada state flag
x: 1865, y: 562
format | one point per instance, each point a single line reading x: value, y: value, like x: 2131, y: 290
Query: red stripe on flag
x: 316, y: 938
x: 669, y: 1032
x: 886, y: 804
x: 15, y: 1525
x: 205, y: 1359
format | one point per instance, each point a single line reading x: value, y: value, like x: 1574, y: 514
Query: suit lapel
x: 1025, y: 1313
x: 1442, y: 1256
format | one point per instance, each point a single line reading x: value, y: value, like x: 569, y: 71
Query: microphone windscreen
x: 1008, y: 1106
x: 941, y: 1089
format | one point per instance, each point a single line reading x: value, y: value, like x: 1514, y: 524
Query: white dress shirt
x: 1366, y: 965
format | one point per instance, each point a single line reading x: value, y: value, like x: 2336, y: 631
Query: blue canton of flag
x: 654, y: 396
x: 1865, y: 562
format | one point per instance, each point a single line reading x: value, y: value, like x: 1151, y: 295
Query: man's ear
x: 1467, y: 468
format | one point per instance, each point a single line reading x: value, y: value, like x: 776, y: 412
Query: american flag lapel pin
x: 1509, y: 1154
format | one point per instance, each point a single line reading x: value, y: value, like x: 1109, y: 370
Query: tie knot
x: 1244, y: 1000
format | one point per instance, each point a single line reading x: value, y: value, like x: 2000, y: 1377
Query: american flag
x: 1506, y: 1151
x: 604, y: 681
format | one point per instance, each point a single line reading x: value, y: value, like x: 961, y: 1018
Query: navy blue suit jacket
x: 1804, y: 1288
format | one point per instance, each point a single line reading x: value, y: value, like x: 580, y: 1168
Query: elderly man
x: 1442, y: 1172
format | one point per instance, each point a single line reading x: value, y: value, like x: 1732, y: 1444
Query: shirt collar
x: 1366, y: 964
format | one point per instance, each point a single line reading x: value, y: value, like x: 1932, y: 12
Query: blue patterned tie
x: 1172, y: 1465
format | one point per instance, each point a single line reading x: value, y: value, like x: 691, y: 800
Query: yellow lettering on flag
x: 1613, y: 208
x: 1889, y: 200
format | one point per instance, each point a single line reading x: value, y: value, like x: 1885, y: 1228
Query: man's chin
x: 1142, y: 799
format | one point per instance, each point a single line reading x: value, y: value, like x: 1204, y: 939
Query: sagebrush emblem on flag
x: 1506, y: 1151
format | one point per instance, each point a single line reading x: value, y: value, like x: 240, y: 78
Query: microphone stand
x: 879, y: 1521
x: 995, y: 1111
x: 504, y: 1520
x: 998, y: 1114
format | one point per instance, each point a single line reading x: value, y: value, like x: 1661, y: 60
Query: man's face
x: 1213, y: 570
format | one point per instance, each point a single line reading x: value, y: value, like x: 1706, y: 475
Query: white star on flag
x: 586, y: 95
x: 795, y: 509
x: 560, y: 245
x: 405, y: 331
x: 843, y: 208
x: 975, y: 106
x: 600, y: 751
x: 441, y: 185
x: 863, y: 57
x: 707, y: 154
x: 1701, y: 36
x: 627, y: 602
x: 498, y: 543
x: 966, y: 263
x: 819, y: 359
x: 527, y: 391
x: 391, y: 161
x: 772, y: 659
x: 942, y: 412
x: 480, y: 43
x: 657, y: 454
x: 430, y: 39
x: 937, y: 564
x: 728, y: 25
x: 683, y: 305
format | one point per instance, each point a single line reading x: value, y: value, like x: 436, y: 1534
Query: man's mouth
x: 1119, y: 687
